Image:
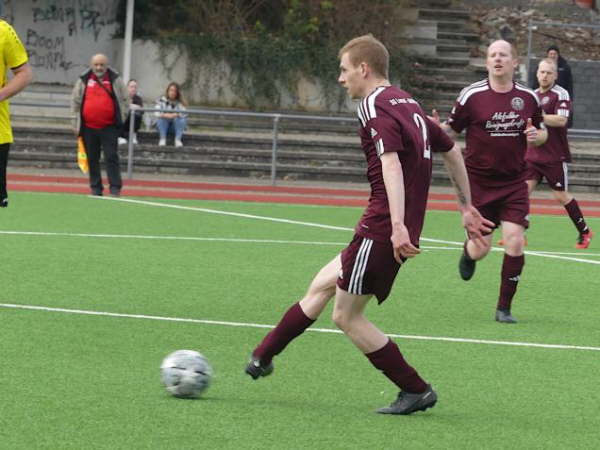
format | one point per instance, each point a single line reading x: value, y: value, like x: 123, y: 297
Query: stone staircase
x: 440, y: 78
x: 245, y: 153
x: 219, y: 144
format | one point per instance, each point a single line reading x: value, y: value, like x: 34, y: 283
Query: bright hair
x: 369, y: 50
x: 549, y: 61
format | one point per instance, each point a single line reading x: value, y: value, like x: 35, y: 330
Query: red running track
x: 255, y: 193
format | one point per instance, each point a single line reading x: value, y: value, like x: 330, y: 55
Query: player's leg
x: 296, y: 319
x: 483, y: 200
x: 561, y: 194
x: 383, y: 353
x: 513, y: 235
x: 472, y: 253
x: 4, y: 149
x: 531, y: 185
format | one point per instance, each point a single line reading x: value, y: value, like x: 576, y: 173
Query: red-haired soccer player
x: 397, y: 139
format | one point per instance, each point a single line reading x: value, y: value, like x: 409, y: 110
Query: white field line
x: 318, y: 225
x: 169, y: 238
x: 458, y: 246
x: 317, y: 330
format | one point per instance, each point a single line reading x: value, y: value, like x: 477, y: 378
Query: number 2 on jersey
x: 423, y: 127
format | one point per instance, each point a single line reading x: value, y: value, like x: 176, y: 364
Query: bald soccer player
x: 501, y: 119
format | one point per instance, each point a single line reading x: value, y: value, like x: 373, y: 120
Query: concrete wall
x: 62, y: 35
x: 586, y: 84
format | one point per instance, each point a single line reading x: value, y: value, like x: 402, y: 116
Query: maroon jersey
x: 392, y: 121
x: 495, y: 122
x: 556, y: 149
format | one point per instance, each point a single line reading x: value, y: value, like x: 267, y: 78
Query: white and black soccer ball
x: 186, y: 373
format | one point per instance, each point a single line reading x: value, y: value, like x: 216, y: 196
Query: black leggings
x: 4, y: 149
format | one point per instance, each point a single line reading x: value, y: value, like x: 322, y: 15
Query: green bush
x: 272, y: 43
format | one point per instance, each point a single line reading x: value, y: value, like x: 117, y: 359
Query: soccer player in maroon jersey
x: 501, y: 118
x: 397, y: 139
x: 550, y: 160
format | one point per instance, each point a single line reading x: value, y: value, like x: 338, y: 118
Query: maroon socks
x: 576, y: 216
x: 292, y: 324
x: 512, y: 266
x: 390, y: 361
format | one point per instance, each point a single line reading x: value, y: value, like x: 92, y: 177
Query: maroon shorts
x: 368, y: 267
x: 508, y: 203
x: 556, y: 174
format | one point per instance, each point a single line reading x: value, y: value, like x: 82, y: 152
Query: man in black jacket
x: 99, y: 107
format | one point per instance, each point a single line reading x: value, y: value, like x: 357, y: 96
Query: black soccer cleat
x: 409, y: 403
x: 504, y: 316
x: 466, y: 267
x: 256, y: 370
x: 4, y: 203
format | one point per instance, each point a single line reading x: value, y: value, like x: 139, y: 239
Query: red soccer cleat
x: 584, y: 239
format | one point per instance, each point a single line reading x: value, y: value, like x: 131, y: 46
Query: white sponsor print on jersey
x: 505, y: 124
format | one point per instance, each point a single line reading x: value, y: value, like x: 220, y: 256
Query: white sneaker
x: 178, y: 143
x: 162, y: 142
x: 135, y: 142
x: 122, y: 141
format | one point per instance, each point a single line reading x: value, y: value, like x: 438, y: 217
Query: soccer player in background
x: 550, y: 160
x: 501, y: 118
x: 14, y: 57
x: 397, y: 139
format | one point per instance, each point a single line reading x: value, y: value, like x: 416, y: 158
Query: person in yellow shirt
x: 12, y: 56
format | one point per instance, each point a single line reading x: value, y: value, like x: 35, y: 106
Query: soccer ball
x: 186, y: 373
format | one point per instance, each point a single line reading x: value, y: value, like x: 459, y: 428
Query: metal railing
x: 274, y: 117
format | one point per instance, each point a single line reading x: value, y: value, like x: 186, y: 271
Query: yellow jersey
x: 12, y: 55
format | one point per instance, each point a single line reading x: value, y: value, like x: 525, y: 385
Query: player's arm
x: 473, y: 221
x: 435, y: 118
x: 393, y: 178
x: 23, y: 75
x: 555, y: 120
x: 535, y: 136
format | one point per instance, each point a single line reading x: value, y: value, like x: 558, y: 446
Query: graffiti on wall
x: 79, y: 16
x: 61, y: 35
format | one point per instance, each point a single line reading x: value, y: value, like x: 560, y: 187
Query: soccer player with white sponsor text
x: 501, y: 118
x: 397, y: 139
x: 550, y: 160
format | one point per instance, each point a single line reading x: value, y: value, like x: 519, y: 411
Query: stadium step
x: 444, y: 13
x: 315, y: 157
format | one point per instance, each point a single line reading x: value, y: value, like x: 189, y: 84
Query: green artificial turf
x: 73, y: 381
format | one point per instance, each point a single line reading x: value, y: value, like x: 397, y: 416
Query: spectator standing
x: 13, y: 57
x: 174, y: 119
x: 99, y: 106
x: 135, y: 103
